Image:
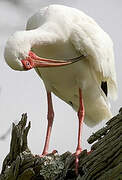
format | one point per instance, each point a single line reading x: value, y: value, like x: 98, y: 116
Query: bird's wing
x: 90, y: 39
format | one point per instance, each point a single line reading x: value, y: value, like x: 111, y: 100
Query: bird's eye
x: 27, y: 63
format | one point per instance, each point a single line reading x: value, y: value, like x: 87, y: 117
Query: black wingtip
x: 104, y: 87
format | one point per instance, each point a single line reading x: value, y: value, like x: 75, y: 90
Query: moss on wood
x: 103, y: 163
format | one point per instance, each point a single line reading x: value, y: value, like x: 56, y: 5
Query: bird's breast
x: 65, y: 81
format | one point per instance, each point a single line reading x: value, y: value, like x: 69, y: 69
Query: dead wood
x: 103, y: 163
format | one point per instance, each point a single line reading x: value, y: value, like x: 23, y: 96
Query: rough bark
x: 103, y: 163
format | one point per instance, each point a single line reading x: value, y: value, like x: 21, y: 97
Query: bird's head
x: 18, y: 54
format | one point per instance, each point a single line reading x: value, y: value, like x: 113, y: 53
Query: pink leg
x: 81, y: 113
x: 50, y: 118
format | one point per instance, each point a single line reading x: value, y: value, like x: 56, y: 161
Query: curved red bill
x: 33, y: 61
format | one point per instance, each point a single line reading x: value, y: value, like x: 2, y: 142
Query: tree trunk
x: 103, y: 163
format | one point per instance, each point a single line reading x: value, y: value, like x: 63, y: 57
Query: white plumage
x: 60, y: 32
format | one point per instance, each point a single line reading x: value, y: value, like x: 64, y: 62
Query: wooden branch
x: 103, y: 163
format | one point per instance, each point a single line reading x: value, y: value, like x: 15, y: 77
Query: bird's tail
x: 97, y: 107
x: 96, y: 102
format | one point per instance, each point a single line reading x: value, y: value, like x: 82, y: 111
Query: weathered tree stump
x: 103, y: 163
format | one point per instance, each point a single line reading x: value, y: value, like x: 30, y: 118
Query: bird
x: 74, y: 57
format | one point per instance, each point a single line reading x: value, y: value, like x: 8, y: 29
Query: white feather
x: 59, y: 32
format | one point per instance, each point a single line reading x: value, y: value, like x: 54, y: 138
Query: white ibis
x: 73, y: 56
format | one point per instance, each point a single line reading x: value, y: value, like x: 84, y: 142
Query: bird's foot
x: 89, y: 152
x: 46, y: 153
x: 76, y: 154
x: 43, y: 154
